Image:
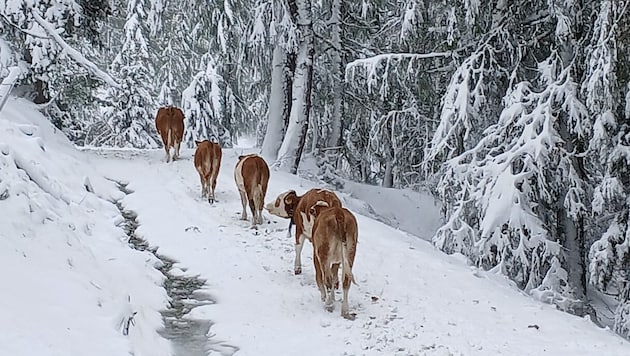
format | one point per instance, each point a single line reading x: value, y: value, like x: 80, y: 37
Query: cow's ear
x: 289, y: 198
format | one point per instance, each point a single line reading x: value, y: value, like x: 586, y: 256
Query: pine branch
x: 73, y: 53
x: 26, y: 32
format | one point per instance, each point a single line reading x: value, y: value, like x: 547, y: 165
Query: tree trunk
x: 388, y: 179
x: 279, y: 103
x: 41, y: 90
x: 292, y: 146
x: 335, y: 134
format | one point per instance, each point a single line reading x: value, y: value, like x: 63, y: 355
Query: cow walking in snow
x: 252, y: 176
x: 207, y: 162
x: 292, y: 206
x: 335, y: 237
x: 169, y: 123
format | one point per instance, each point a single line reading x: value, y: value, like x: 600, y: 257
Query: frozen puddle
x: 189, y: 337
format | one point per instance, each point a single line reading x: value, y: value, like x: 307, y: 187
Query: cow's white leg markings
x: 331, y: 298
x: 345, y: 309
x: 176, y: 154
x: 240, y: 184
x: 298, y: 255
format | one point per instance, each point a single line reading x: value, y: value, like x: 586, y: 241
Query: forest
x: 514, y: 114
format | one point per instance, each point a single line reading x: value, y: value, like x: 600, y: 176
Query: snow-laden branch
x: 377, y: 68
x: 7, y: 84
x: 73, y: 53
x: 27, y: 32
x: 374, y: 61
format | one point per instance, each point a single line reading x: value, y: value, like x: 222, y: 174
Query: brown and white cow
x: 252, y: 175
x: 335, y: 237
x: 169, y: 123
x: 208, y: 161
x: 291, y: 206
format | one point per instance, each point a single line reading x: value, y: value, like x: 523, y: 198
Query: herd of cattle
x: 318, y: 215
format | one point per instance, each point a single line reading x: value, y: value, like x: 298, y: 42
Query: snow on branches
x: 609, y: 255
x: 461, y: 121
x: 503, y: 194
x: 203, y: 107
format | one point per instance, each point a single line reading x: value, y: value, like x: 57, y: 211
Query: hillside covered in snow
x: 74, y: 286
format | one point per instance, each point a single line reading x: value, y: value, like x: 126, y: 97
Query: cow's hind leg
x: 328, y: 282
x: 318, y: 275
x: 176, y: 150
x: 335, y: 274
x: 168, y: 154
x: 299, y: 243
x: 345, y: 310
x: 203, y: 185
x: 168, y: 143
x: 252, y: 207
x: 213, y: 180
x: 244, y: 203
x: 210, y: 194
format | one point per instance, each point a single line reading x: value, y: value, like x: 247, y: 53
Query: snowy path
x: 411, y: 299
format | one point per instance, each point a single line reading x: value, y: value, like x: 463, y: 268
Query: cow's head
x: 284, y: 205
x: 241, y: 157
x: 316, y: 209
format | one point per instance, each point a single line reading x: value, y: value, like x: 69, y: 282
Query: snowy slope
x: 411, y: 299
x: 70, y: 279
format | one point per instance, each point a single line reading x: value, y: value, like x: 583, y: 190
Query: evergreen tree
x: 605, y: 93
x: 202, y: 103
x: 38, y: 34
x: 130, y: 117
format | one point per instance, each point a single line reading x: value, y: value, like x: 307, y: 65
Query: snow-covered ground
x: 70, y: 280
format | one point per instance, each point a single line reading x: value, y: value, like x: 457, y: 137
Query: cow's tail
x: 258, y: 196
x: 345, y: 258
x: 169, y: 138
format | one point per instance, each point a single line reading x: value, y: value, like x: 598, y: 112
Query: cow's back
x: 216, y: 153
x: 161, y: 120
x: 253, y: 171
x: 308, y: 200
x: 176, y: 123
x: 203, y: 156
x: 252, y: 175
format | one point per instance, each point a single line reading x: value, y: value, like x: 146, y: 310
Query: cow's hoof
x: 298, y: 270
x: 349, y: 316
x: 329, y: 308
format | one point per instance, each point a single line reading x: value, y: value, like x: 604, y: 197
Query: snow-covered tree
x: 202, y: 103
x: 393, y: 75
x: 605, y: 93
x: 466, y: 109
x: 502, y: 197
x: 38, y: 34
x: 130, y: 116
x: 283, y: 39
x: 290, y: 151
